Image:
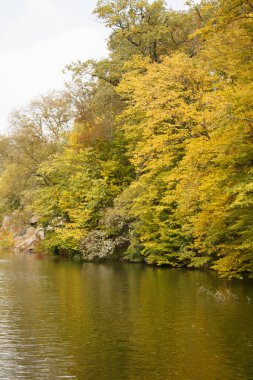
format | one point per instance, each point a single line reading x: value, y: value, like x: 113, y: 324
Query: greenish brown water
x: 61, y: 320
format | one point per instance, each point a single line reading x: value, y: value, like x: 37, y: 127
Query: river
x: 115, y: 321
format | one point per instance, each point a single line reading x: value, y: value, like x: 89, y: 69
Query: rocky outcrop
x: 26, y: 238
x: 7, y: 224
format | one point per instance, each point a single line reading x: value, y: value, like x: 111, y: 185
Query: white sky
x: 37, y: 39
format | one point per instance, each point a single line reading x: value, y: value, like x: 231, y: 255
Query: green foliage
x: 6, y: 240
x: 147, y: 154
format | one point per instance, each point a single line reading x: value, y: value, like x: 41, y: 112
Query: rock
x: 27, y: 241
x: 40, y: 233
x: 25, y: 238
x: 33, y: 221
x: 6, y: 223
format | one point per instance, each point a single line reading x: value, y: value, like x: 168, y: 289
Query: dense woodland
x: 147, y: 154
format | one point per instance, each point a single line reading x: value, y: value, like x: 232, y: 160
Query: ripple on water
x: 60, y: 320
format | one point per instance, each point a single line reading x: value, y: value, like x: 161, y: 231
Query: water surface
x: 114, y: 321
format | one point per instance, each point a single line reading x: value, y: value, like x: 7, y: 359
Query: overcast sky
x: 37, y: 39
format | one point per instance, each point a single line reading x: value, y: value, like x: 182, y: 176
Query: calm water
x: 60, y: 320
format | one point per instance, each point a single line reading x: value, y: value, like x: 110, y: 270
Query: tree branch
x: 251, y: 6
x: 198, y: 12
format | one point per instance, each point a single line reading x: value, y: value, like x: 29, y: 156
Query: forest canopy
x: 147, y: 154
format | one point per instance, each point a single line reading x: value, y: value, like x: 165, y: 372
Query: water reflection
x: 119, y: 322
